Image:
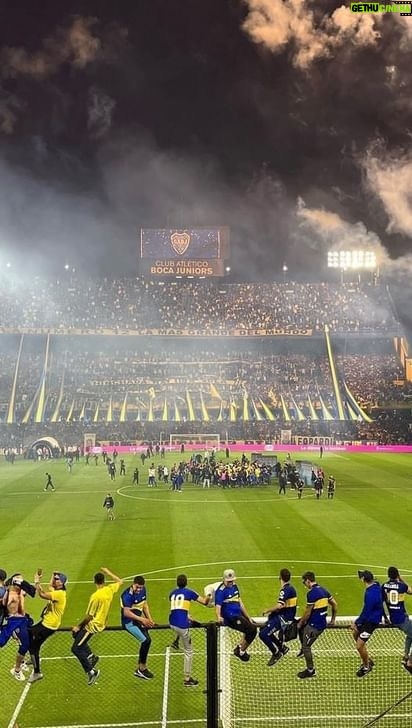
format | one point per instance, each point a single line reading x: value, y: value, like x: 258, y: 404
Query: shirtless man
x: 17, y: 622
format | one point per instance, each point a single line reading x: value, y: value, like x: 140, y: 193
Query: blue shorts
x: 19, y: 628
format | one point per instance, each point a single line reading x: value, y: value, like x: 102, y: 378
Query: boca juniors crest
x: 180, y: 242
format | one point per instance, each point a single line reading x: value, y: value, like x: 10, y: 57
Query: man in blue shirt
x: 393, y: 594
x: 136, y: 619
x: 231, y: 612
x: 369, y: 618
x: 313, y: 621
x: 180, y: 599
x: 280, y: 615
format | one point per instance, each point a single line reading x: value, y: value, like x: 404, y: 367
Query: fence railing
x: 229, y: 694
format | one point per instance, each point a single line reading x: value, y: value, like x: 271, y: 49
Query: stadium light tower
x: 353, y: 260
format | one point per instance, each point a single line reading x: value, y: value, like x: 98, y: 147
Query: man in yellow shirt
x: 94, y: 621
x: 51, y: 617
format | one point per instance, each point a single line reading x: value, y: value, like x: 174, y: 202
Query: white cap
x: 229, y: 575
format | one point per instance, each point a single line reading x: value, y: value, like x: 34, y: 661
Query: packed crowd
x: 136, y: 304
x: 293, y: 378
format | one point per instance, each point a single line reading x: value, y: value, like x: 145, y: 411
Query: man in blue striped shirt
x: 368, y: 620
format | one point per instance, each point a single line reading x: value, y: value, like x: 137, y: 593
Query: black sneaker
x: 306, y: 673
x: 285, y: 650
x: 408, y: 668
x: 300, y: 653
x: 363, y: 670
x: 94, y: 659
x: 191, y: 683
x: 144, y: 674
x: 274, y: 659
x: 245, y: 657
x: 175, y: 644
x: 93, y: 675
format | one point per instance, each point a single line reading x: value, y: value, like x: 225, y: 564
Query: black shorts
x: 365, y: 630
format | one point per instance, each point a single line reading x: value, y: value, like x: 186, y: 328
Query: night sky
x: 290, y: 122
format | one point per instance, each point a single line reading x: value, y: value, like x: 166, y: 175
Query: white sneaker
x: 35, y: 676
x: 17, y: 675
x: 25, y: 667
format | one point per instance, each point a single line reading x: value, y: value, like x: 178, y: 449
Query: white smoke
x: 334, y: 233
x: 100, y: 112
x: 390, y: 179
x: 76, y: 45
x: 276, y: 24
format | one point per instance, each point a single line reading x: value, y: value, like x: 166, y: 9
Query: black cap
x: 3, y: 575
x: 367, y: 575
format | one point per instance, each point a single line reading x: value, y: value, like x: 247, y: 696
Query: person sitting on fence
x: 280, y: 615
x: 136, y: 619
x: 231, y: 612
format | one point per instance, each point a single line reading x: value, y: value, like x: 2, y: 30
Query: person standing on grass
x: 51, y: 617
x: 135, y: 476
x: 94, y: 622
x: 393, y: 593
x: 49, y: 482
x: 108, y: 503
x: 136, y: 619
x: 331, y: 486
x: 313, y: 621
x: 231, y: 611
x: 280, y: 614
x: 179, y: 620
x: 369, y: 619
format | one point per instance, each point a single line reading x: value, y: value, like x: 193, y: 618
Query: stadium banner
x: 221, y: 333
x: 263, y: 447
x: 194, y: 252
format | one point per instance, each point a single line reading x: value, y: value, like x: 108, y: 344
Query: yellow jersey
x: 99, y: 605
x: 53, y: 611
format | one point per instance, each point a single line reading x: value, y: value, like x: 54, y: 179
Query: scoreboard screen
x: 197, y: 252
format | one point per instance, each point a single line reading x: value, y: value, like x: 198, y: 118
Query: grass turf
x: 199, y: 532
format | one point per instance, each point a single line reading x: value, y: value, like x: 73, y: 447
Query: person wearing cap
x: 368, y: 620
x: 231, y: 612
x: 136, y: 619
x: 94, y: 622
x: 314, y: 620
x: 179, y: 620
x: 51, y: 617
x: 280, y: 615
x: 393, y: 594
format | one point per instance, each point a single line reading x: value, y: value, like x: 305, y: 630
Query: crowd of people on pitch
x: 137, y: 303
x: 382, y: 603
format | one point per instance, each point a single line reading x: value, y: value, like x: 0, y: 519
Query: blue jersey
x: 372, y: 605
x: 318, y: 598
x: 228, y: 598
x: 393, y: 594
x: 136, y: 601
x: 288, y: 599
x: 180, y: 599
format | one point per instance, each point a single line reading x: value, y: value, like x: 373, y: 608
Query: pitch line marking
x: 19, y: 705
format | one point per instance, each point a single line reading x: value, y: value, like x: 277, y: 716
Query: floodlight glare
x: 356, y: 259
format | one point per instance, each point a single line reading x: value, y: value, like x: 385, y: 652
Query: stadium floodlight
x: 356, y: 259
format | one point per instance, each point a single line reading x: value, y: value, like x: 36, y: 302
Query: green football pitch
x: 160, y: 533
